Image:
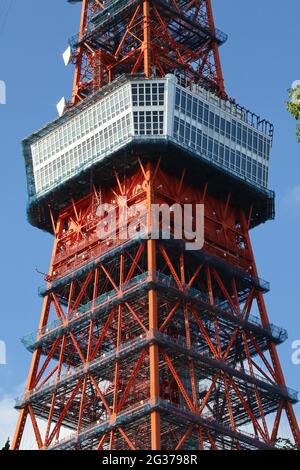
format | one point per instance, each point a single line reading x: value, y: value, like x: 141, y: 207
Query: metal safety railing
x: 63, y: 380
x: 143, y: 281
x: 140, y: 342
x: 145, y: 407
x: 244, y: 374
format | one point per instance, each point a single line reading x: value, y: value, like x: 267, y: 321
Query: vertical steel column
x: 215, y: 48
x: 153, y: 319
x: 147, y: 39
x: 77, y: 75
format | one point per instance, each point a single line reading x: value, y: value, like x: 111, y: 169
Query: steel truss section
x: 148, y: 37
x: 145, y: 345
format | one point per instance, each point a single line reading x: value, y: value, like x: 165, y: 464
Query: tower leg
x: 35, y: 358
x: 272, y: 348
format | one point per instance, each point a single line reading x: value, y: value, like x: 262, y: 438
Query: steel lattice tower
x: 143, y: 344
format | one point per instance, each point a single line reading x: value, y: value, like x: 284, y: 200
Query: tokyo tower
x: 143, y: 343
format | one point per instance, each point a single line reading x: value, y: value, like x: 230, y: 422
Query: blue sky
x: 259, y: 64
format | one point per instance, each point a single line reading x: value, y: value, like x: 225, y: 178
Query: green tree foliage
x: 293, y: 106
x: 7, y: 445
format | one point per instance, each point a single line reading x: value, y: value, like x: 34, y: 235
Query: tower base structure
x: 144, y: 344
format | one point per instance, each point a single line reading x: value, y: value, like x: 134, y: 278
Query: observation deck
x: 133, y: 117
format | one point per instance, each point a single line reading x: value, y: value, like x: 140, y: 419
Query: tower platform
x: 135, y: 118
